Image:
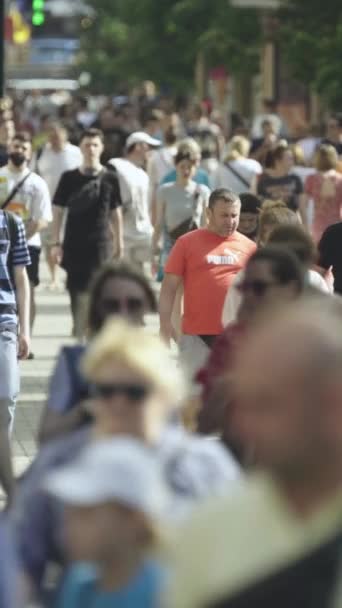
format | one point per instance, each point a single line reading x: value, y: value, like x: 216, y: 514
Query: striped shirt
x: 20, y: 257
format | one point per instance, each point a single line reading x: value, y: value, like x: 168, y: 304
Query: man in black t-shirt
x: 93, y: 229
x: 330, y: 253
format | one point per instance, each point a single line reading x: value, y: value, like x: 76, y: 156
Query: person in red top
x: 206, y: 261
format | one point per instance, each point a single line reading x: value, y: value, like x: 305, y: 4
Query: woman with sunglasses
x: 119, y: 290
x: 136, y: 387
x: 273, y: 215
x: 273, y: 277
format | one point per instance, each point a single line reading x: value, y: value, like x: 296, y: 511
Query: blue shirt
x: 200, y: 177
x: 20, y: 257
x: 80, y: 589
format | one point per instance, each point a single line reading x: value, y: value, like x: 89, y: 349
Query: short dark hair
x: 23, y: 136
x: 228, y: 196
x: 92, y: 133
x: 183, y: 155
x: 115, y: 270
x: 297, y: 240
x: 250, y: 203
x: 286, y: 267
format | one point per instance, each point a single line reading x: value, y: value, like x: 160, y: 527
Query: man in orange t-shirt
x: 206, y: 261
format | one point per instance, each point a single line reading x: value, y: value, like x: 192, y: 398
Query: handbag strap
x: 237, y: 174
x: 196, y: 196
x: 15, y: 190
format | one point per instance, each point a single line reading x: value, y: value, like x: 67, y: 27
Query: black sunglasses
x: 116, y: 305
x: 133, y: 392
x: 258, y: 287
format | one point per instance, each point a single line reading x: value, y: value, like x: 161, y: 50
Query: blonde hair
x: 189, y: 145
x: 275, y: 213
x: 133, y: 346
x: 298, y: 155
x: 325, y: 158
x: 238, y: 146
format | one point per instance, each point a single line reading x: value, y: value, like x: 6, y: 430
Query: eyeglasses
x: 133, y: 392
x: 258, y: 287
x: 117, y: 306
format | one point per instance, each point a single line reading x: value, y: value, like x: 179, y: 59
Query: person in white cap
x: 115, y: 498
x: 135, y: 193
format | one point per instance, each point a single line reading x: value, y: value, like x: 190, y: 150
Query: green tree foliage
x: 311, y: 37
x: 134, y: 40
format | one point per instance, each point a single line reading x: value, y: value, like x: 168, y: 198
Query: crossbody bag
x: 238, y: 175
x: 190, y: 223
x: 14, y: 191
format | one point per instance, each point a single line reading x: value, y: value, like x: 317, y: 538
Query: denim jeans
x: 9, y: 376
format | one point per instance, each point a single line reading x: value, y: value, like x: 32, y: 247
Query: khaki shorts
x: 193, y: 355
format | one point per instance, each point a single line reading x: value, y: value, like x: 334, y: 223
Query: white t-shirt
x: 31, y: 202
x: 160, y: 164
x: 233, y: 297
x: 51, y: 165
x: 134, y: 189
x: 248, y: 168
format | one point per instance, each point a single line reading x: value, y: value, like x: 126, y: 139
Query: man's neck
x: 14, y: 169
x: 223, y: 236
x: 91, y: 169
x: 183, y: 183
x: 134, y: 160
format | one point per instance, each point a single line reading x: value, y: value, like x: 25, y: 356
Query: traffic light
x: 38, y: 12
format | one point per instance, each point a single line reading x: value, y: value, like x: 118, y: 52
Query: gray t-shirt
x: 180, y: 204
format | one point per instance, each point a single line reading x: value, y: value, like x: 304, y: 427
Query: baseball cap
x: 140, y: 137
x: 120, y: 470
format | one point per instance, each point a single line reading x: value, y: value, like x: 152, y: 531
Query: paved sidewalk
x: 52, y: 330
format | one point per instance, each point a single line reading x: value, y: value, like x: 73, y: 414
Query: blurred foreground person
x: 11, y: 591
x: 118, y: 290
x: 273, y: 278
x: 135, y: 390
x: 290, y: 234
x: 115, y: 496
x: 277, y: 540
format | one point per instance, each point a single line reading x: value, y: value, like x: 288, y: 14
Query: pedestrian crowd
x: 199, y: 468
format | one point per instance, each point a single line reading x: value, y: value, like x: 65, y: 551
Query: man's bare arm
x: 23, y: 303
x: 170, y: 285
x: 117, y: 228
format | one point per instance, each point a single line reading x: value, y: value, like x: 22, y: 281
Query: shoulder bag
x: 190, y: 223
x: 237, y: 174
x: 14, y: 191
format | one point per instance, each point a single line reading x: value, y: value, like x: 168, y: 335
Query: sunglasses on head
x: 258, y: 287
x: 118, y: 305
x: 133, y: 392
